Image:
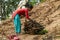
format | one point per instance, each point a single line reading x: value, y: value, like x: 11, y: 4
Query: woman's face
x: 29, y: 9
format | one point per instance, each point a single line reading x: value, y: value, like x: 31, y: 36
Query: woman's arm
x: 26, y: 13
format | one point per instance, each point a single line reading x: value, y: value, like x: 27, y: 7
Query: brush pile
x: 32, y: 27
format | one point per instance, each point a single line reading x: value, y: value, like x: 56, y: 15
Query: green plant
x: 42, y: 0
x: 34, y: 2
x: 43, y: 32
x: 8, y: 7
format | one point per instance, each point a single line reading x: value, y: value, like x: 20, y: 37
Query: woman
x: 16, y: 17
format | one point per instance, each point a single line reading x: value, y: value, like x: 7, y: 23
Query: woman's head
x: 29, y: 6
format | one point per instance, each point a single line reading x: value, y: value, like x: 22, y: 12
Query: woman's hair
x: 28, y: 5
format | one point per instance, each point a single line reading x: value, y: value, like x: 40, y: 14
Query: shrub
x: 43, y: 32
x: 42, y: 0
x: 34, y: 2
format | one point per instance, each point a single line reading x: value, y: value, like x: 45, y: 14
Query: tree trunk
x: 3, y: 14
x: 0, y: 9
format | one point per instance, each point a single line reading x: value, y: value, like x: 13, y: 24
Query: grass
x: 42, y: 1
x: 57, y: 37
x: 43, y: 32
x: 33, y: 3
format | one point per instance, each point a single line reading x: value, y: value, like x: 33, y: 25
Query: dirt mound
x: 46, y: 13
